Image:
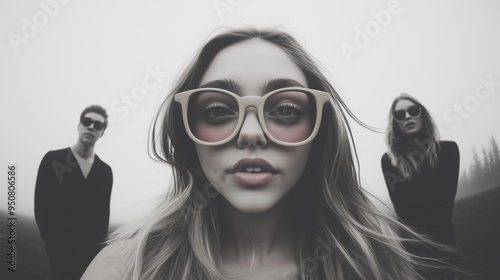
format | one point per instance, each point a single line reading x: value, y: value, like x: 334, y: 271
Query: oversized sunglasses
x: 288, y: 116
x: 98, y: 125
x: 413, y: 111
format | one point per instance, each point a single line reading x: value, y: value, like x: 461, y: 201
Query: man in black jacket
x: 72, y: 198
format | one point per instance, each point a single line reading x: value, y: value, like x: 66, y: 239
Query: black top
x: 71, y: 211
x: 425, y: 202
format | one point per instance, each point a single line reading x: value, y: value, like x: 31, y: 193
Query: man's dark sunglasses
x: 413, y: 111
x: 98, y: 125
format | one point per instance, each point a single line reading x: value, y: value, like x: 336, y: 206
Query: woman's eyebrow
x: 226, y: 84
x: 280, y: 83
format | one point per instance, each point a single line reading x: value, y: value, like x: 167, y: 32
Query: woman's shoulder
x: 105, y: 266
x: 448, y: 147
x: 386, y: 161
x: 448, y: 143
x: 385, y: 157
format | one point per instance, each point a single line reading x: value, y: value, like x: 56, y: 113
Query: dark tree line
x: 484, y: 171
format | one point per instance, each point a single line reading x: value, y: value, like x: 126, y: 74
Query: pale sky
x: 56, y: 58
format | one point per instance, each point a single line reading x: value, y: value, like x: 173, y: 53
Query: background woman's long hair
x: 342, y: 235
x: 410, y: 155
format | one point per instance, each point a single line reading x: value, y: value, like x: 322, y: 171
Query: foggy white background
x: 98, y: 52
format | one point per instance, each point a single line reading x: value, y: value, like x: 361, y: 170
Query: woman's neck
x: 257, y: 238
x: 411, y: 142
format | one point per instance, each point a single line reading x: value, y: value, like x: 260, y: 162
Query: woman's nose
x: 251, y: 133
x: 407, y: 115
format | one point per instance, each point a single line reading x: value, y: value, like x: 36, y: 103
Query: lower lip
x: 253, y: 179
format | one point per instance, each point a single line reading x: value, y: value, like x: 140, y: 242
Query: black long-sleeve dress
x: 425, y: 202
x: 71, y: 211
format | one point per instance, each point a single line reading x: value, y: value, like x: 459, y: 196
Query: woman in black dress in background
x: 421, y: 173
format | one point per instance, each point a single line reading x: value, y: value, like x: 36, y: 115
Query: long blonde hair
x: 342, y: 235
x: 410, y: 155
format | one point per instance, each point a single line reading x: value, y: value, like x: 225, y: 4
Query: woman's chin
x: 252, y: 207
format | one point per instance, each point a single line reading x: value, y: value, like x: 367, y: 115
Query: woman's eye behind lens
x: 286, y: 113
x: 217, y: 113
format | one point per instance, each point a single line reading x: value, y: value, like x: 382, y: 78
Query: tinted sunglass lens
x: 98, y: 125
x: 414, y: 111
x: 86, y: 121
x: 290, y: 116
x: 212, y: 115
x: 399, y: 115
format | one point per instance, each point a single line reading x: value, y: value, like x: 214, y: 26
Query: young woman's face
x: 251, y: 171
x: 410, y: 125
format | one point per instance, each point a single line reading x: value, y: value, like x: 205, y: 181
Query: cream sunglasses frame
x: 321, y: 97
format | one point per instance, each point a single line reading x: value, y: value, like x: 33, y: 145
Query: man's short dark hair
x: 98, y: 110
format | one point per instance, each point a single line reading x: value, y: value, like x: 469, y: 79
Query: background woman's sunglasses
x: 288, y: 116
x: 98, y: 125
x: 413, y: 111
